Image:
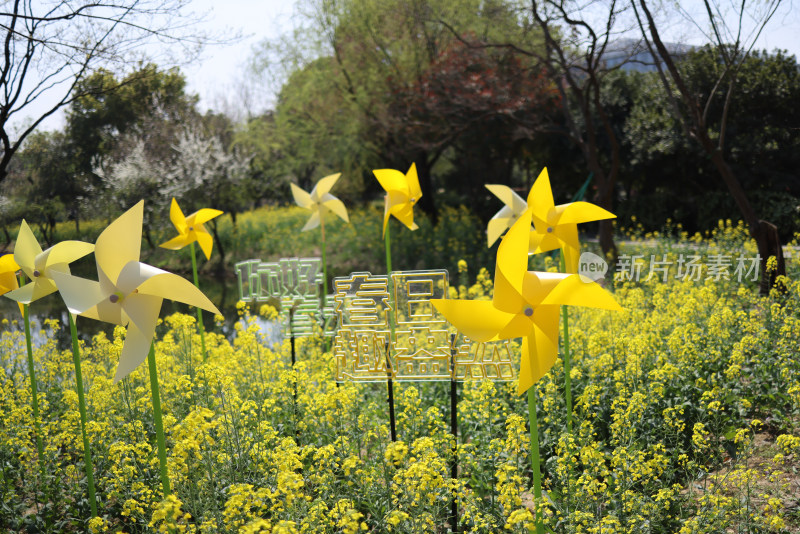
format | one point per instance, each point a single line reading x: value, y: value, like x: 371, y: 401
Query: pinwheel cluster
x: 128, y: 292
x: 526, y: 304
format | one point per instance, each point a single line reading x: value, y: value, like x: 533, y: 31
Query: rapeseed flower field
x: 686, y: 420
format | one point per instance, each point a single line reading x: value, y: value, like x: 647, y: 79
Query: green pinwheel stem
x: 567, y: 355
x: 34, y: 389
x: 157, y: 420
x: 387, y: 242
x: 87, y: 451
x: 535, y: 460
x: 200, y: 327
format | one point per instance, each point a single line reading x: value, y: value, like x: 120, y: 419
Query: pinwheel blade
x: 512, y: 264
x: 205, y: 241
x: 312, y: 222
x: 301, y: 198
x: 203, y: 216
x: 337, y: 207
x: 79, y: 294
x: 576, y: 290
x: 120, y: 242
x: 477, y: 319
x: 26, y: 248
x: 66, y: 252
x: 143, y: 312
x: 581, y: 212
x: 540, y: 197
x: 539, y: 349
x: 391, y: 180
x: 414, y: 190
x: 177, y: 217
x: 173, y: 287
x: 23, y: 295
x: 177, y: 242
x: 324, y: 186
x: 515, y: 203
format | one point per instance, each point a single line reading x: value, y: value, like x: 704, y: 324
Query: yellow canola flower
x: 128, y: 293
x: 557, y: 226
x: 525, y: 304
x: 402, y: 192
x: 504, y: 219
x: 320, y: 197
x: 40, y: 266
x: 190, y: 228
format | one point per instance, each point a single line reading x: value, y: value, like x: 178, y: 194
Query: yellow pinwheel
x: 402, y: 192
x: 191, y: 229
x: 557, y: 226
x: 525, y: 304
x: 40, y: 266
x: 318, y: 198
x: 504, y: 219
x: 128, y: 292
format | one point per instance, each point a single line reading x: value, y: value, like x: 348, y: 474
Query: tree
x: 697, y: 113
x: 49, y: 49
x: 380, y: 88
x: 197, y: 170
x: 566, y: 39
x: 670, y: 172
x: 39, y: 180
x: 479, y: 103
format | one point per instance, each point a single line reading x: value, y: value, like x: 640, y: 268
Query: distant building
x: 633, y: 55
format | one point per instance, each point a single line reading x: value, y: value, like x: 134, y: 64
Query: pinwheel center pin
x: 115, y: 297
x: 36, y: 273
x: 549, y: 229
x: 528, y: 311
x: 191, y: 228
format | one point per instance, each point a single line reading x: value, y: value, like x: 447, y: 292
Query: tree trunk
x: 769, y: 244
x: 763, y: 232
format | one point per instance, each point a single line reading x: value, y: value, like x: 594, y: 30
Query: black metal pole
x: 291, y: 332
x: 390, y: 387
x: 454, y: 429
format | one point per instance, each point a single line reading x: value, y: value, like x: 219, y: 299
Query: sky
x: 218, y: 75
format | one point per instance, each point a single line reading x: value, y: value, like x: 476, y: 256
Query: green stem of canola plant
x: 34, y: 389
x: 87, y: 451
x: 199, y: 311
x: 160, y: 439
x: 535, y: 461
x: 567, y: 355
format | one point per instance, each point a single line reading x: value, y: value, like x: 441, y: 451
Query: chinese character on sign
x: 294, y: 285
x: 361, y: 301
x: 375, y: 309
